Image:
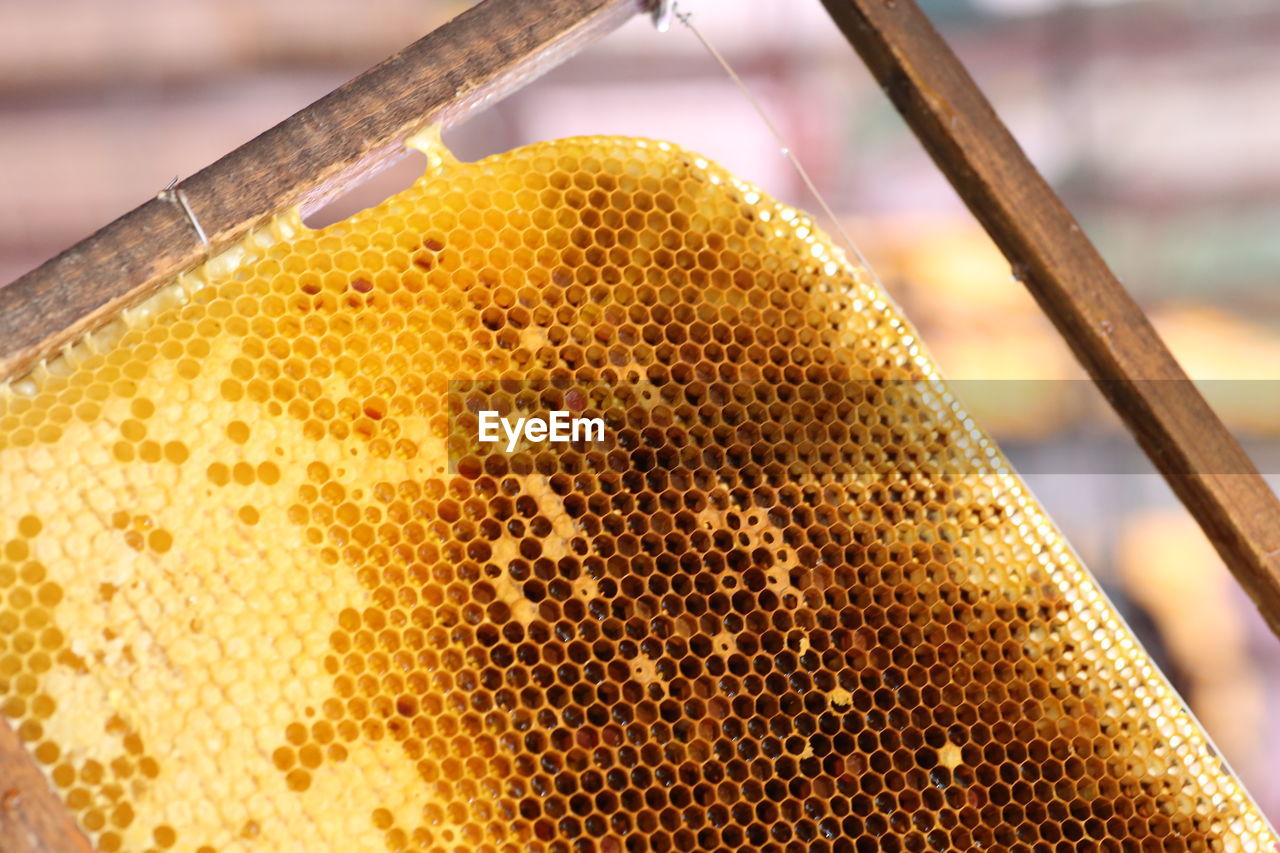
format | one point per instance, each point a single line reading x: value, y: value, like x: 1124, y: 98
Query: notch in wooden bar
x: 359, y: 128
x: 1050, y: 254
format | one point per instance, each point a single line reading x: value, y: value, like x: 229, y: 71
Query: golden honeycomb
x: 262, y: 589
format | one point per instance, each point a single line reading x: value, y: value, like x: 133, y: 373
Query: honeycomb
x: 261, y: 588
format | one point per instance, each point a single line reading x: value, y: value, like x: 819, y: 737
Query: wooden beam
x: 32, y: 818
x: 1050, y: 254
x: 359, y: 128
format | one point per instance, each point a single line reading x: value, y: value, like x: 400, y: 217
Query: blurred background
x: 1157, y: 120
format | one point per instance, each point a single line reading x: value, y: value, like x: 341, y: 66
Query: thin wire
x: 686, y: 18
x: 172, y: 193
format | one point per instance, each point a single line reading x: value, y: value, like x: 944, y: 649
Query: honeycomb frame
x: 260, y: 588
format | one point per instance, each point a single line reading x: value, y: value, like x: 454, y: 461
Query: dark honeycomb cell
x: 261, y: 588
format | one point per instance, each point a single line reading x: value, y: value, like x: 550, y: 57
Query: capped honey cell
x: 262, y: 588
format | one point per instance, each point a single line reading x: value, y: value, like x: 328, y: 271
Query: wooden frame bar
x: 476, y: 58
x: 32, y: 818
x: 499, y: 45
x: 1050, y: 254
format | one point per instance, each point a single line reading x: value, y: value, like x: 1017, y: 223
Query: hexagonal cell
x: 776, y: 608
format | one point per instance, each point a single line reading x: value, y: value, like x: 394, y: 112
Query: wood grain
x: 32, y: 818
x: 1050, y: 254
x: 360, y: 127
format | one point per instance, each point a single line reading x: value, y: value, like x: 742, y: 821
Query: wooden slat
x: 32, y: 818
x: 1051, y: 255
x: 360, y: 127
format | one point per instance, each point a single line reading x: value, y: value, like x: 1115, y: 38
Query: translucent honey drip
x: 790, y: 603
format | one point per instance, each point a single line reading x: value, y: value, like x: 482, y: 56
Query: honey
x: 262, y: 589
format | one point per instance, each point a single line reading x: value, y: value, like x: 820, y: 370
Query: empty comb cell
x: 262, y: 588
